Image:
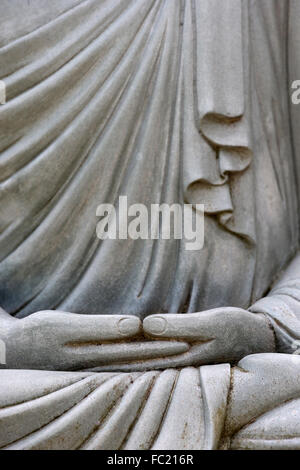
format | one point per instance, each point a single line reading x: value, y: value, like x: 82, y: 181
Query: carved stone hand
x: 214, y: 336
x: 56, y: 340
x: 218, y: 335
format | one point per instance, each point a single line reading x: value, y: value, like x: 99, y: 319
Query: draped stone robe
x: 161, y: 101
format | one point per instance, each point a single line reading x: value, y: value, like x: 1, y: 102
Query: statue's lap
x: 216, y: 406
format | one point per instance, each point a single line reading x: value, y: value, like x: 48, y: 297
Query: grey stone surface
x: 211, y: 407
x: 159, y: 410
x: 87, y: 81
x: 161, y: 101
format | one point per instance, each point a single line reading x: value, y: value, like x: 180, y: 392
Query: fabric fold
x: 216, y: 142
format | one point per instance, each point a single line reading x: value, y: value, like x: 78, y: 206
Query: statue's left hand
x: 218, y: 335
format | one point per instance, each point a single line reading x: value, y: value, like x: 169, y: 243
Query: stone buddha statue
x: 134, y: 343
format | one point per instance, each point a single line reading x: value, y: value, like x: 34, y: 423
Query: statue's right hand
x: 56, y: 340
